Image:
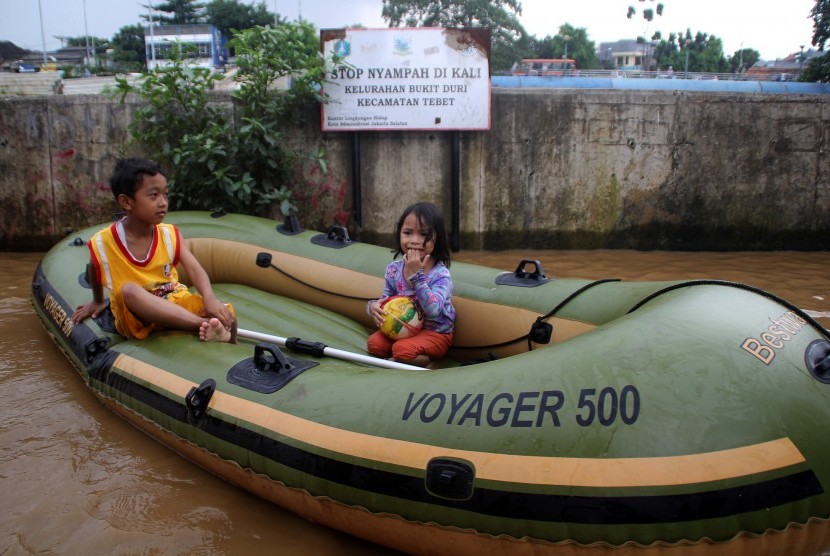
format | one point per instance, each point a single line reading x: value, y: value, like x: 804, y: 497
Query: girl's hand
x: 412, y: 262
x: 377, y: 313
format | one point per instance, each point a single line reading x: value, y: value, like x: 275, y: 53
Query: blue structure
x: 707, y: 85
x: 211, y: 46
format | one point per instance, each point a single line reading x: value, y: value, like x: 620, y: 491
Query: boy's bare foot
x: 214, y: 331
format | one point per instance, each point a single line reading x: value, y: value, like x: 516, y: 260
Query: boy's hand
x: 91, y: 309
x: 215, y: 308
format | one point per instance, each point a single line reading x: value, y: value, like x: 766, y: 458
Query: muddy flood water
x: 76, y: 479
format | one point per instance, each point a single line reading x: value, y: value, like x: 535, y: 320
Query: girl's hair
x: 429, y: 216
x: 129, y: 173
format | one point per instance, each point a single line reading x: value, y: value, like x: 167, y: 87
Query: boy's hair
x: 431, y: 216
x: 129, y: 173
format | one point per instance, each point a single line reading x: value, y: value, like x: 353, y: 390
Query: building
x: 785, y: 69
x: 211, y: 50
x: 626, y: 54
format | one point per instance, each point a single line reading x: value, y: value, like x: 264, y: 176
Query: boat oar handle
x: 327, y: 351
x: 298, y: 345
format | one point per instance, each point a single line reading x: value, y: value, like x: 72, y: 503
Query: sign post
x: 411, y: 78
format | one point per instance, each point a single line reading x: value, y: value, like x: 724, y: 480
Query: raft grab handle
x: 197, y: 400
x: 523, y: 279
x: 450, y: 478
x: 268, y: 370
x: 336, y: 237
x: 291, y: 226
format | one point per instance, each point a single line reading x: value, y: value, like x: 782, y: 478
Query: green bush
x: 235, y: 161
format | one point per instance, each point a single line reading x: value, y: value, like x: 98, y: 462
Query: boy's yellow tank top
x: 115, y: 265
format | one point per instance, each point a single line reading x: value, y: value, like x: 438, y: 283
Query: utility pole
x: 152, y: 36
x: 89, y: 56
x: 686, y: 72
x: 42, y: 33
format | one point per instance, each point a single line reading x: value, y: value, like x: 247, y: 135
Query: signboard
x: 413, y: 78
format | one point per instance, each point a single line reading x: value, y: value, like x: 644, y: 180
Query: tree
x: 817, y: 70
x: 704, y: 53
x: 500, y: 17
x: 128, y: 44
x: 84, y: 40
x: 648, y: 13
x: 575, y: 41
x: 183, y: 12
x: 230, y: 15
x: 743, y: 59
x: 821, y: 23
x: 649, y: 57
x: 542, y: 48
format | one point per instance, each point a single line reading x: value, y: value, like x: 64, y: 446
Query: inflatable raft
x: 572, y: 417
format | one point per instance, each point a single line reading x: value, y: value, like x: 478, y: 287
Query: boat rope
x: 264, y: 260
x: 530, y: 335
x: 576, y: 294
x: 567, y: 300
x: 824, y: 332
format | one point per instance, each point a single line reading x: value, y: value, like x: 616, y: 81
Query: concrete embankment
x: 559, y: 168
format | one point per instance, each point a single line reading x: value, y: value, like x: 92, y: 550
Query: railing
x: 643, y: 74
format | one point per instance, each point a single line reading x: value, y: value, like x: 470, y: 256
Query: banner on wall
x: 413, y: 78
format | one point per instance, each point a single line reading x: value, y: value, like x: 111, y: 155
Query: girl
x: 423, y: 275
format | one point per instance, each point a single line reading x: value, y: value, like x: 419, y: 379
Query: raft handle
x: 268, y: 357
x: 336, y: 237
x: 268, y: 370
x: 198, y: 398
x: 291, y: 226
x: 450, y: 478
x: 523, y: 279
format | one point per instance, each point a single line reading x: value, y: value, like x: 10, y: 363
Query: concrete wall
x: 560, y: 168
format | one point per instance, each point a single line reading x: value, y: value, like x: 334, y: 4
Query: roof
x: 177, y: 30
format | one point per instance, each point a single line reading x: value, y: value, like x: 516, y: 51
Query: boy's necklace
x: 122, y: 235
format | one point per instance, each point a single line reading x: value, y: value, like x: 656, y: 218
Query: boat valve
x: 263, y: 260
x: 817, y: 359
x: 95, y: 347
x: 540, y: 332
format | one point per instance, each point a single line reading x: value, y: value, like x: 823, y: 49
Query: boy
x: 136, y: 259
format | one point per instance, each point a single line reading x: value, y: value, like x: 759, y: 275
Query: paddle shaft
x: 331, y: 352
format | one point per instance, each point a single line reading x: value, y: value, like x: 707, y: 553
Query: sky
x: 775, y: 28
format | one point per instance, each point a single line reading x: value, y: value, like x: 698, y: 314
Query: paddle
x: 320, y: 349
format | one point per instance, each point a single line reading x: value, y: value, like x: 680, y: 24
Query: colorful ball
x: 402, y: 318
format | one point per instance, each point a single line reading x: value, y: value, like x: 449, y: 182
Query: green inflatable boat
x: 572, y: 416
